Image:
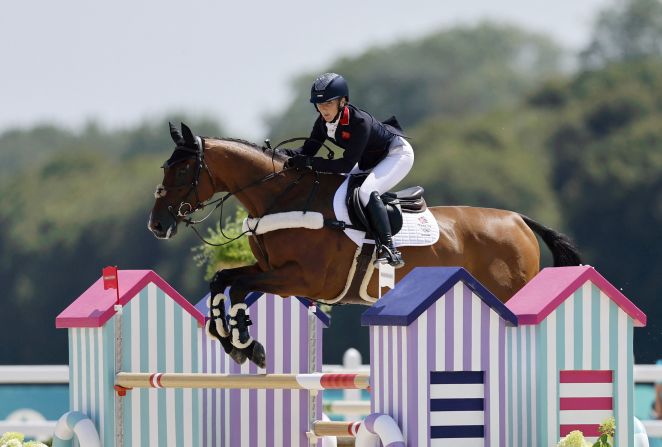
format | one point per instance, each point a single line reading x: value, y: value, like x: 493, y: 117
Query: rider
x: 369, y: 146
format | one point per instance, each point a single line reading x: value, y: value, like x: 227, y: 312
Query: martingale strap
x: 363, y: 261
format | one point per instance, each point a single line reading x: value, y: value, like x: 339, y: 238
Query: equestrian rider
x: 379, y: 148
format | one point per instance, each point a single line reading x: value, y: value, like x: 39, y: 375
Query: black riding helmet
x: 327, y: 87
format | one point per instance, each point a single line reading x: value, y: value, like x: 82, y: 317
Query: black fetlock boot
x: 381, y: 226
x: 217, y: 326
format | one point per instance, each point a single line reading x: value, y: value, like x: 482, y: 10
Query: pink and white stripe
x: 585, y: 401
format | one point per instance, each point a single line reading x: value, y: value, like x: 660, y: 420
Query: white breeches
x: 388, y: 172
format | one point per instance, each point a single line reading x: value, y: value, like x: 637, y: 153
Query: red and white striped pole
x: 315, y: 381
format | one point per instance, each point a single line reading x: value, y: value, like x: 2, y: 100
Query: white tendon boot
x: 216, y: 312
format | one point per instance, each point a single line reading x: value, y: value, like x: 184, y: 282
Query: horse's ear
x: 175, y: 135
x: 189, y: 139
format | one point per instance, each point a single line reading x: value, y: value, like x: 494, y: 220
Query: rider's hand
x: 298, y: 162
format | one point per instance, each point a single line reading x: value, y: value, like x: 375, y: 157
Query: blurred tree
x: 20, y: 148
x: 450, y: 73
x: 627, y: 31
x: 494, y: 160
x: 71, y: 209
x: 607, y: 171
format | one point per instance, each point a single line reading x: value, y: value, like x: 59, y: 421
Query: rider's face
x: 329, y: 109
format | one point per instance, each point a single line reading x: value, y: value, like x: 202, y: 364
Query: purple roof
x: 252, y: 297
x: 419, y: 290
x: 544, y: 293
x: 96, y: 305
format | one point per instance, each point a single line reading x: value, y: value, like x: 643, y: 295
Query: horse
x: 498, y: 247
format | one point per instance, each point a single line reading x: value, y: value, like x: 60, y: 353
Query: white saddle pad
x: 418, y: 229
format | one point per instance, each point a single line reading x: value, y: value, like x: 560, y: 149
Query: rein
x: 184, y: 213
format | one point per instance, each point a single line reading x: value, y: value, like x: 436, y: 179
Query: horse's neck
x: 239, y: 169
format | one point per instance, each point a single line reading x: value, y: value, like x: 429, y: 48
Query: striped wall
x: 163, y: 337
x: 91, y: 377
x: 459, y: 332
x: 589, y: 332
x: 586, y: 400
x: 263, y: 418
x: 158, y: 335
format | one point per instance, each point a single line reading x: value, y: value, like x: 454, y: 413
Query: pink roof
x: 96, y: 305
x: 544, y: 293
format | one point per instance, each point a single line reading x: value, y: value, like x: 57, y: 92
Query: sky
x: 123, y: 61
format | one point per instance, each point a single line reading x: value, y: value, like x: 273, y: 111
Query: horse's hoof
x: 257, y: 354
x: 238, y: 356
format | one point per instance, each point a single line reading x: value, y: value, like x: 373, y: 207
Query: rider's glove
x: 298, y: 162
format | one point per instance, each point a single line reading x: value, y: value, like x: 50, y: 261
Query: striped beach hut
x: 438, y: 361
x: 570, y: 359
x: 292, y: 337
x: 159, y: 331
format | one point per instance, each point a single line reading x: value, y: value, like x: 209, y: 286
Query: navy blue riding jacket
x: 365, y: 141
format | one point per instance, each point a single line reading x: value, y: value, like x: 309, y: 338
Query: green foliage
x: 450, y: 73
x: 234, y: 254
x: 494, y: 160
x: 607, y: 173
x: 607, y: 432
x: 628, y: 31
x: 23, y: 148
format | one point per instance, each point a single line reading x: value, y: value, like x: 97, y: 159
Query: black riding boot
x: 386, y: 251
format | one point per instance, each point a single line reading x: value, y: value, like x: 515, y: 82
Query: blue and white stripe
x: 457, y: 408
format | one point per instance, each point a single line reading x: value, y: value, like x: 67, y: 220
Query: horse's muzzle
x: 162, y: 229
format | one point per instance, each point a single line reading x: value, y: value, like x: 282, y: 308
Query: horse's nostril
x: 157, y: 226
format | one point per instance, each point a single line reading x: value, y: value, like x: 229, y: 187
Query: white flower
x: 13, y: 443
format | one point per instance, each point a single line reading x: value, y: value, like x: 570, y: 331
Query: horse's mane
x: 270, y: 153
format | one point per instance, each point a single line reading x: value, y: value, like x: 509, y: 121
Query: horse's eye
x: 181, y: 172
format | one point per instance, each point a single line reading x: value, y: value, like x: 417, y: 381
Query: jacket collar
x: 344, y: 117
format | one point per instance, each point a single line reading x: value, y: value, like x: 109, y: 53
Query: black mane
x: 277, y: 154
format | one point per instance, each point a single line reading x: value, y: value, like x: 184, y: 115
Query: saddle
x: 408, y: 200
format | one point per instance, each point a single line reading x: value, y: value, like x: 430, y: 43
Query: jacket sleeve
x: 352, y: 154
x: 314, y: 142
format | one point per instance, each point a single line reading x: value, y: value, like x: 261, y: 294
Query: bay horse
x: 498, y: 247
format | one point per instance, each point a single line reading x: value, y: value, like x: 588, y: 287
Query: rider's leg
x: 382, y: 228
x: 388, y: 173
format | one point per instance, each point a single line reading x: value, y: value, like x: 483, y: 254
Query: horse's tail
x: 563, y: 250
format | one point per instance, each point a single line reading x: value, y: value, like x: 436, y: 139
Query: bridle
x: 185, y: 208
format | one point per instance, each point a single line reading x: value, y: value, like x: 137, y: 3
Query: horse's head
x: 184, y: 188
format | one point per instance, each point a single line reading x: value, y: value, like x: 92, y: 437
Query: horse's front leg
x: 279, y: 281
x: 217, y: 326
